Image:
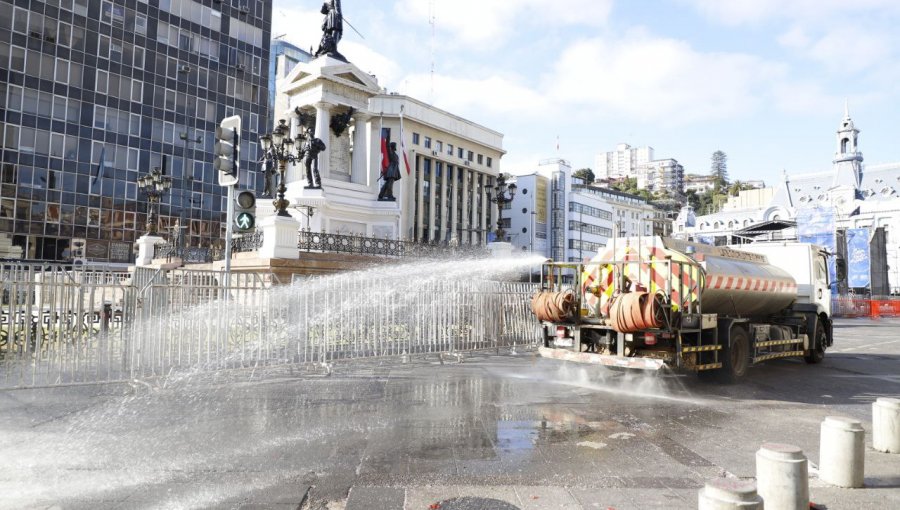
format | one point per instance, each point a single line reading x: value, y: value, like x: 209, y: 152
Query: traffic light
x: 245, y: 219
x: 228, y: 150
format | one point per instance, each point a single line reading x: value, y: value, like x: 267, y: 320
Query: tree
x: 584, y: 173
x: 719, y: 169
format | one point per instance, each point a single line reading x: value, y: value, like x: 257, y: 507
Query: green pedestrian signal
x: 244, y: 221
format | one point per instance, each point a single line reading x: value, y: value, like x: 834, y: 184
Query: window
x: 138, y: 57
x: 103, y: 46
x: 81, y: 7
x: 427, y: 142
x: 62, y: 71
x: 140, y: 24
x: 461, y: 153
x: 471, y: 156
x: 99, y: 117
x: 415, y: 139
x: 439, y: 146
x: 17, y: 59
x: 57, y: 145
x: 102, y: 81
x: 490, y: 162
x: 449, y: 149
x: 20, y: 20
x: 480, y: 159
x: 59, y: 107
x: 14, y: 103
x: 64, y: 34
x: 137, y: 90
x: 134, y: 124
x: 115, y: 51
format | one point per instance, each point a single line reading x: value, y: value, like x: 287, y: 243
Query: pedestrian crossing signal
x: 245, y: 219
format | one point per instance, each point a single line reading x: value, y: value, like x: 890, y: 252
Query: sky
x: 765, y: 81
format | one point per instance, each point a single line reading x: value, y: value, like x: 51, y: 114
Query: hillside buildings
x: 97, y: 93
x: 659, y: 175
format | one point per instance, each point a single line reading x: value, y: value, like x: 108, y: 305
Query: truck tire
x: 817, y: 353
x: 735, y: 360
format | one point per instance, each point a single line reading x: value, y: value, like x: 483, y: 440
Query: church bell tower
x: 847, y: 159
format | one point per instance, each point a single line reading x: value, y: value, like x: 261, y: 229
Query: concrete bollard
x: 729, y: 494
x: 782, y: 476
x: 842, y: 448
x: 886, y: 425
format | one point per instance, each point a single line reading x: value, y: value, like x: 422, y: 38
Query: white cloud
x: 492, y: 22
x: 737, y: 12
x: 659, y: 80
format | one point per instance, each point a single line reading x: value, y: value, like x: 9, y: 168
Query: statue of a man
x: 390, y: 174
x: 332, y: 29
x: 310, y: 154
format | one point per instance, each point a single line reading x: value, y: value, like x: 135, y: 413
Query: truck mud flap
x: 601, y: 359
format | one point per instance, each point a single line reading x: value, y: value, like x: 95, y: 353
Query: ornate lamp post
x: 504, y: 193
x: 278, y: 147
x: 154, y: 184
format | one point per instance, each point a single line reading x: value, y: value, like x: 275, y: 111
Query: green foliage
x: 719, y: 170
x: 586, y: 174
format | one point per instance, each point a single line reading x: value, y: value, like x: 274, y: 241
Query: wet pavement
x: 504, y: 432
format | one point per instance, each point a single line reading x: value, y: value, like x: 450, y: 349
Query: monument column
x: 358, y: 170
x: 323, y: 132
x: 420, y: 193
x: 432, y: 211
x: 454, y: 201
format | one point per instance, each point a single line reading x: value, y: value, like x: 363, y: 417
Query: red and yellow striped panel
x: 652, y: 273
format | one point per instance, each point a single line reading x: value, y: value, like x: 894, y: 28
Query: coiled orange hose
x: 635, y: 311
x: 553, y: 306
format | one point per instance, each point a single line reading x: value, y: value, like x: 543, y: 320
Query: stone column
x: 454, y: 202
x: 432, y: 212
x: 467, y: 204
x: 323, y: 132
x: 485, y: 209
x: 358, y: 167
x: 420, y: 210
x: 445, y: 206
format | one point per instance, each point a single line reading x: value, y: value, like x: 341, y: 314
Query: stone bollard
x: 886, y: 425
x: 842, y: 447
x: 729, y: 494
x: 782, y: 476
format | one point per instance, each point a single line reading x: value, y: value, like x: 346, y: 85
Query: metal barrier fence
x: 60, y: 326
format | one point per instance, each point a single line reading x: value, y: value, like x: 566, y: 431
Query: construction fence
x: 865, y: 306
x: 61, y: 325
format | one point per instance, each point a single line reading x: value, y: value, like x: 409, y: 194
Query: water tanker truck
x: 653, y: 302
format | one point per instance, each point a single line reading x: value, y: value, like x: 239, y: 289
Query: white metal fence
x: 61, y: 326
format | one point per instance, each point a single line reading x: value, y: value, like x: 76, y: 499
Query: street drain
x: 470, y: 503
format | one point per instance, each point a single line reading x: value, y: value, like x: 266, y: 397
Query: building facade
x: 562, y: 218
x: 658, y: 175
x: 855, y: 195
x: 97, y: 93
x: 453, y: 162
x: 283, y: 57
x: 622, y: 162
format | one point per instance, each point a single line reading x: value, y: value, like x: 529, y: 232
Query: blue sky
x: 763, y: 80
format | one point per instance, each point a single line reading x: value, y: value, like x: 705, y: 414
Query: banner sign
x: 858, y: 258
x: 816, y: 225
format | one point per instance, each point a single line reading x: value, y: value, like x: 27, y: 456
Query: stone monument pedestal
x: 146, y: 246
x: 279, y: 238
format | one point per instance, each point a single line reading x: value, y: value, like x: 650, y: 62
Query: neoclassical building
x: 441, y: 197
x: 859, y: 196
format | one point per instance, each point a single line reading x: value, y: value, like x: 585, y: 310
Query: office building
x: 98, y: 93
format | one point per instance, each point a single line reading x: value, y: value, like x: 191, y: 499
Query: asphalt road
x: 504, y: 432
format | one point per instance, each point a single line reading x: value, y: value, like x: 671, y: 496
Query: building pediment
x: 326, y: 69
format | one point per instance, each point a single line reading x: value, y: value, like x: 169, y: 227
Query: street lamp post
x: 154, y: 184
x: 278, y: 147
x: 504, y: 194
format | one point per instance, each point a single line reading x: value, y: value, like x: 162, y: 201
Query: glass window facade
x: 96, y: 93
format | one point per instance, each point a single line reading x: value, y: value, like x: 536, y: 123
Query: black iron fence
x: 324, y: 242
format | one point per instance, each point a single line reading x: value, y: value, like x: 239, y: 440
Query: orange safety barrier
x: 855, y: 307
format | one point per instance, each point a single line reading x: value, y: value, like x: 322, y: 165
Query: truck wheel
x: 817, y: 353
x: 735, y: 360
